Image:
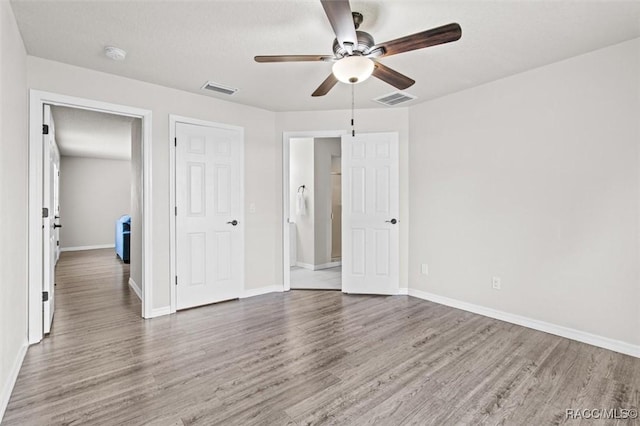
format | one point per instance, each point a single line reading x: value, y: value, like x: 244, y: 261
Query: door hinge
x: 45, y: 296
x: 175, y: 141
x: 57, y: 243
x: 176, y: 280
x: 45, y: 129
x: 45, y: 212
x: 175, y: 210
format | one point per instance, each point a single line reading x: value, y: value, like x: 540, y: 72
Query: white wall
x: 535, y: 178
x: 135, y: 242
x: 301, y: 173
x: 323, y: 149
x: 367, y: 120
x: 13, y: 202
x: 94, y: 193
x: 263, y: 161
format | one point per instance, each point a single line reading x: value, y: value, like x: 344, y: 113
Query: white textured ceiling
x: 82, y: 133
x: 182, y: 43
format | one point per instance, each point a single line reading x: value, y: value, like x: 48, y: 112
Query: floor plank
x: 300, y: 358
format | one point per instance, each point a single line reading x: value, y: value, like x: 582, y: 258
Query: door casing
x: 37, y: 100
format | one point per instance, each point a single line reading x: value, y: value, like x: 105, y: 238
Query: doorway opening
x: 297, y: 268
x: 89, y: 171
x: 315, y: 210
x: 369, y: 189
x: 99, y: 205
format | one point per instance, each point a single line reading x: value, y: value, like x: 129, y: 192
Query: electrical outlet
x: 496, y: 284
x: 252, y: 207
x: 424, y: 268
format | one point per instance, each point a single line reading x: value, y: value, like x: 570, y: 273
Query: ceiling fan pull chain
x: 353, y: 107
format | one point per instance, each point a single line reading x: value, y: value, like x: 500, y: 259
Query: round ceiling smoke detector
x: 115, y: 53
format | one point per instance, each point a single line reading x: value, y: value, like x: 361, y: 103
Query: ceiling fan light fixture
x: 353, y: 69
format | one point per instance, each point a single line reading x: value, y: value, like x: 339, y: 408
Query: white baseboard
x: 328, y: 265
x: 403, y: 290
x: 7, y: 387
x: 135, y: 288
x: 319, y: 267
x: 558, y: 330
x: 80, y: 248
x: 158, y: 312
x: 262, y: 290
x: 305, y: 265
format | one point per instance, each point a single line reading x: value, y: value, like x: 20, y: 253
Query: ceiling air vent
x: 219, y: 88
x: 395, y: 98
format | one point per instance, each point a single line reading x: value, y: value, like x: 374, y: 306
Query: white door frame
x: 286, y: 143
x: 173, y: 120
x: 37, y: 99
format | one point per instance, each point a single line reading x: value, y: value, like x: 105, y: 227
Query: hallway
x: 97, y: 315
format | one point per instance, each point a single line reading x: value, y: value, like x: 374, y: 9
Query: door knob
x: 392, y: 221
x: 233, y: 222
x: 55, y: 225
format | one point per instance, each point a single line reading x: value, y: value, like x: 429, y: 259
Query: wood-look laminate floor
x: 299, y: 358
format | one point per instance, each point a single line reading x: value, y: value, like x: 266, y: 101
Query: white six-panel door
x: 51, y: 166
x: 209, y: 214
x: 370, y: 211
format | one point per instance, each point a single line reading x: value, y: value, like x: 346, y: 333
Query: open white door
x: 56, y: 202
x: 209, y: 214
x: 51, y: 166
x: 370, y: 211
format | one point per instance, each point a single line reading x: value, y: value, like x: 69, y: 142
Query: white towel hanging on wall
x: 301, y: 205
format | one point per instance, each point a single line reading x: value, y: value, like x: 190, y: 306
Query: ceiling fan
x: 355, y: 54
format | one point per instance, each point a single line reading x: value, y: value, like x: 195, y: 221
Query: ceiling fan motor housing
x: 365, y: 43
x: 355, y: 52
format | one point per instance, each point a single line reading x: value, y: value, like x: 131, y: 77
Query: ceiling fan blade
x: 440, y: 35
x: 394, y: 78
x: 294, y: 58
x: 326, y: 85
x: 341, y: 19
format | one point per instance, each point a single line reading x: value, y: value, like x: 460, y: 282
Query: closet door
x: 209, y: 214
x: 370, y: 211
